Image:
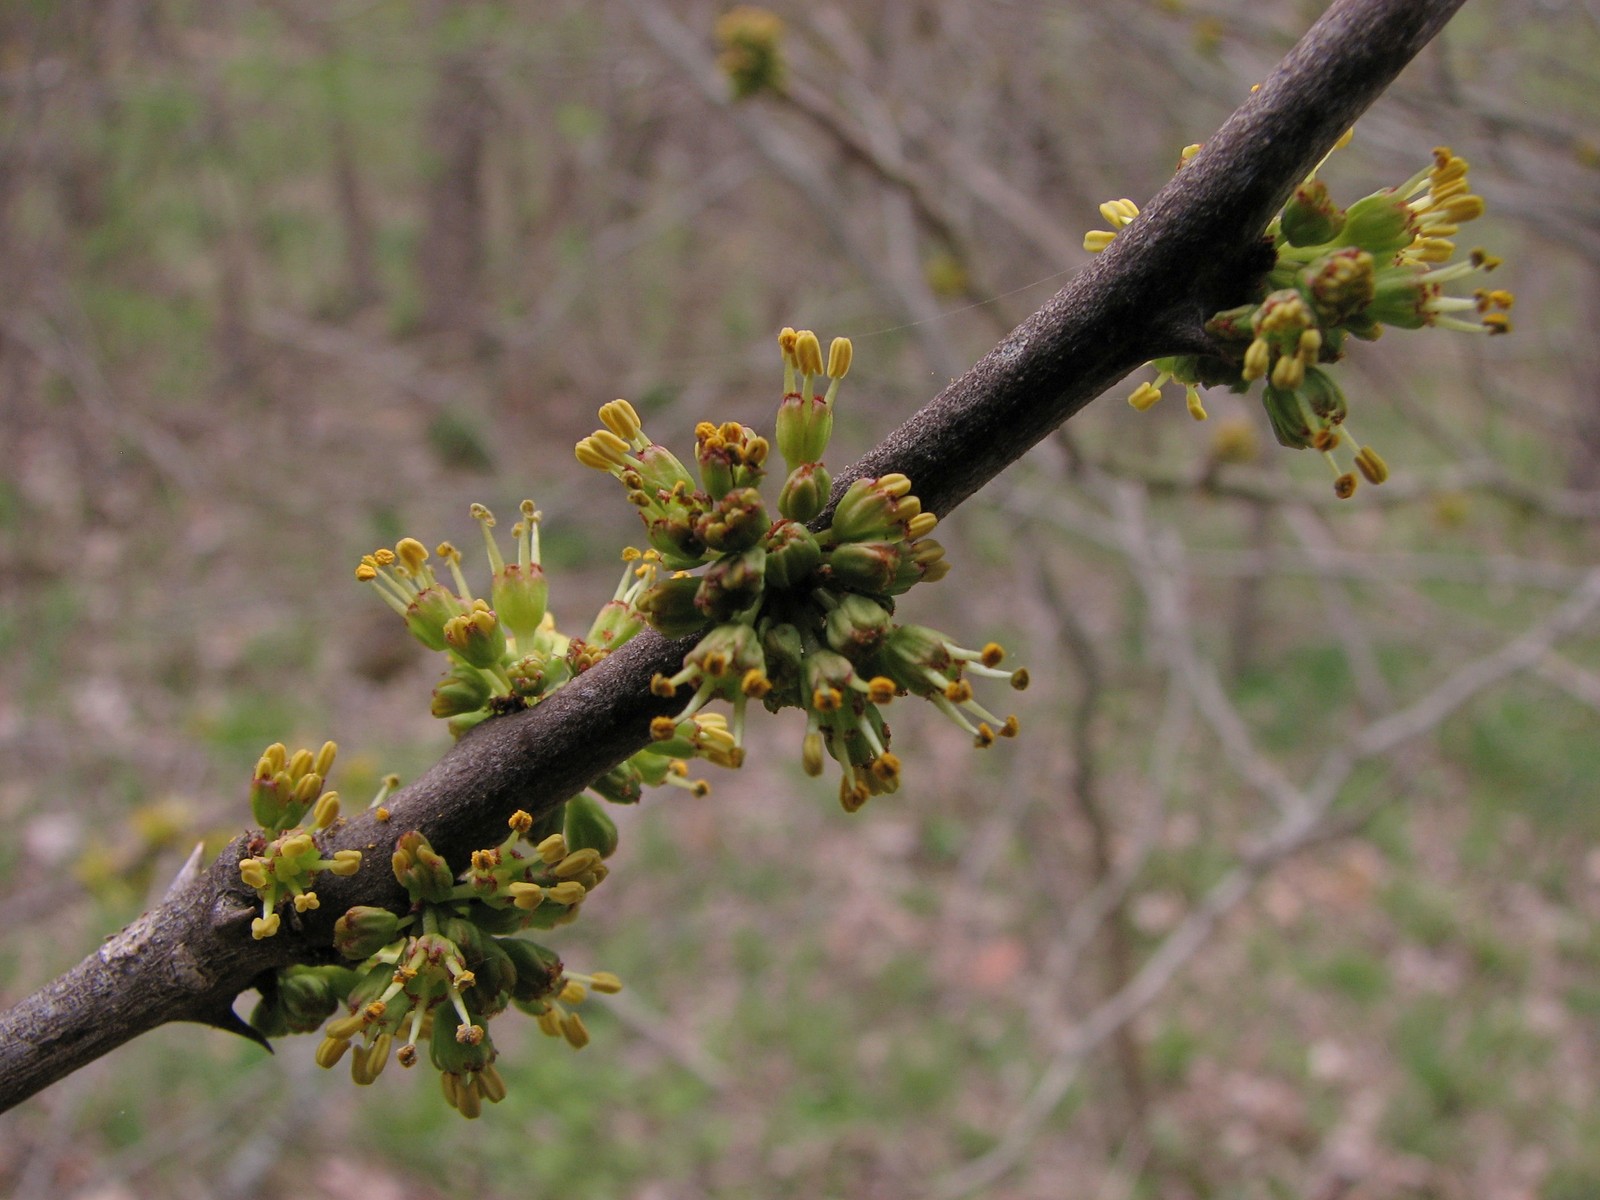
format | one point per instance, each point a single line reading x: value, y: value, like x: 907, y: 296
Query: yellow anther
x: 839, y: 355
x: 576, y: 863
x: 808, y: 353
x: 622, y: 419
x: 568, y: 892
x: 1144, y: 396
x: 412, y: 553
x: 265, y: 927
x: 572, y: 1028
x: 787, y: 340
x: 811, y: 754
x: 1371, y: 465
x: 326, y: 811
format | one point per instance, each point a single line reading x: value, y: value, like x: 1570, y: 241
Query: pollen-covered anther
x: 985, y: 736
x: 1371, y: 466
x: 755, y: 683
x: 576, y: 864
x: 661, y: 686
x: 827, y: 699
x: 808, y: 353
x: 663, y: 729
x: 1011, y: 727
x: 1020, y: 679
x: 992, y: 655
x: 622, y: 419
x: 568, y: 891
x: 265, y: 927
x: 1345, y: 486
x: 881, y: 689
x: 811, y: 754
x: 886, y: 768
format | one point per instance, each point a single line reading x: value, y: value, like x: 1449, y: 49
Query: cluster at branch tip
x: 437, y: 974
x: 799, y: 618
x: 1339, y: 273
x: 283, y: 859
x: 751, y: 54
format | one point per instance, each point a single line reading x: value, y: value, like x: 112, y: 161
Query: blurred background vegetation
x: 282, y: 280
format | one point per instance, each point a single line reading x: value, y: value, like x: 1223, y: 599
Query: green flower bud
x: 454, y: 1047
x: 538, y: 970
x: 477, y: 637
x: 461, y: 723
x: 874, y: 509
x: 736, y: 522
x: 427, y: 615
x: 620, y: 785
x: 520, y: 595
x: 589, y: 827
x: 1401, y: 299
x: 269, y: 796
x: 1311, y: 217
x: 421, y: 871
x: 862, y: 566
x: 670, y: 607
x: 805, y: 493
x: 726, y: 653
x: 792, y: 554
x: 1289, y: 424
x: 1324, y: 396
x: 1339, y: 285
x: 497, y: 976
x: 921, y: 561
x: 301, y: 998
x: 1380, y: 224
x: 857, y: 626
x: 732, y: 584
x: 463, y: 690
x: 783, y: 647
x: 364, y: 930
x: 672, y: 533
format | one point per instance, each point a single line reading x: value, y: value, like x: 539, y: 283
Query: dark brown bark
x: 1187, y: 256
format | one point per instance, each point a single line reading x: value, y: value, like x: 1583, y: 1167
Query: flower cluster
x: 799, y: 617
x: 282, y: 860
x: 437, y: 975
x: 751, y: 41
x: 1340, y: 273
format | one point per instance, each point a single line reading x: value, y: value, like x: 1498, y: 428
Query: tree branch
x: 1190, y: 253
